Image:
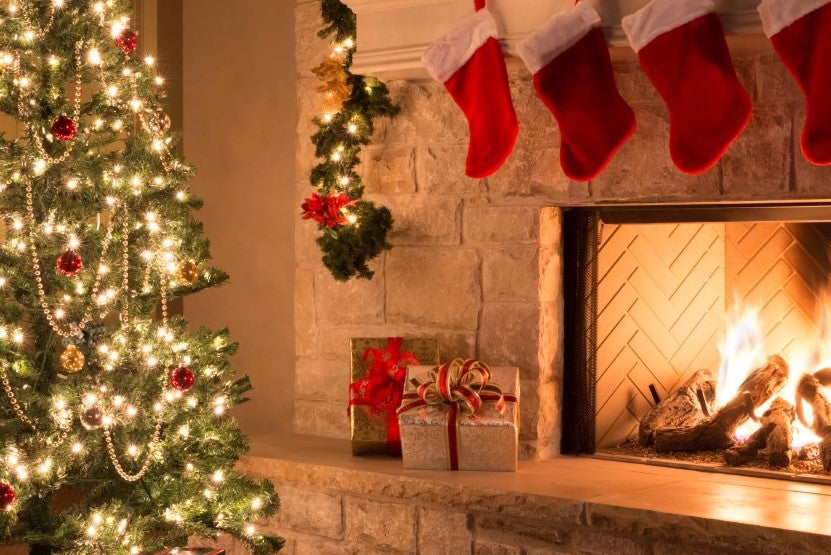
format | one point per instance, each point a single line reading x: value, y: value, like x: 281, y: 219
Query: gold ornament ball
x: 187, y: 272
x: 72, y: 359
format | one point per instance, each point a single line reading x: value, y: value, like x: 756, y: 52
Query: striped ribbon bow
x: 461, y: 386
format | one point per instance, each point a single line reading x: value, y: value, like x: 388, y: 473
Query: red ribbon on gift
x: 381, y: 389
x: 462, y: 387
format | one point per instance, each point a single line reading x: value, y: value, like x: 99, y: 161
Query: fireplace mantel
x: 393, y: 34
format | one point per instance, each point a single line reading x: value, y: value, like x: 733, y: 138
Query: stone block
x: 774, y: 83
x: 374, y: 526
x: 357, y: 301
x: 309, y: 48
x: 522, y: 531
x: 306, y: 251
x: 399, y: 130
x: 490, y: 548
x: 436, y: 119
x: 759, y: 162
x: 433, y: 288
x: 443, y: 532
x: 440, y: 170
x: 312, y: 545
x: 667, y: 548
x: 308, y: 103
x: 509, y: 336
x: 305, y: 320
x: 531, y: 172
x: 643, y: 169
x: 551, y: 227
x: 485, y: 223
x: 320, y: 418
x: 424, y: 220
x: 604, y: 544
x: 529, y: 407
x: 317, y: 380
x: 510, y: 274
x: 388, y: 171
x: 457, y: 345
x: 309, y: 511
x: 634, y: 85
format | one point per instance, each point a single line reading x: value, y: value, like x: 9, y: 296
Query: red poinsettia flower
x: 326, y: 210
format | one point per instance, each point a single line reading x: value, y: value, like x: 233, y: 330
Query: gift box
x: 378, y: 373
x: 462, y: 415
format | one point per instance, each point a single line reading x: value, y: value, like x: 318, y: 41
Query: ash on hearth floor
x: 805, y: 467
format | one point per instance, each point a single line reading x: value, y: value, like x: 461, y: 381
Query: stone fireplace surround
x: 477, y: 263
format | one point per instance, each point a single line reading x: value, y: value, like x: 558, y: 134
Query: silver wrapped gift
x: 433, y: 437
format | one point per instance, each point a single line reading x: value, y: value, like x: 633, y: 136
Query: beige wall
x: 239, y: 129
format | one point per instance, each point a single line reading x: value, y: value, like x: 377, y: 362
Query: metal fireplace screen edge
x: 581, y: 234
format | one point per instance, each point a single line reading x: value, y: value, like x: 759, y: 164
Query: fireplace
x: 659, y: 298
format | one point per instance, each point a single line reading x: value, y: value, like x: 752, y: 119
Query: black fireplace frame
x: 581, y: 232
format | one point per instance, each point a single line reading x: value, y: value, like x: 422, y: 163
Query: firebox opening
x: 720, y: 312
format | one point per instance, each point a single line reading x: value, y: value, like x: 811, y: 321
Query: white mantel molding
x: 393, y: 34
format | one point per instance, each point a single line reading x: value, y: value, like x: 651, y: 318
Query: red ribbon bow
x: 381, y: 389
x: 460, y: 386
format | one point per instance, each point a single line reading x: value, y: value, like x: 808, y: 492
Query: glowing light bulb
x: 53, y: 61
x: 77, y: 448
x: 132, y: 450
x: 250, y: 530
x: 184, y: 431
x: 60, y: 313
x: 218, y: 476
x: 58, y: 3
x: 94, y: 57
x: 131, y: 411
x: 135, y: 104
x: 73, y: 242
x: 39, y: 167
x: 112, y: 91
x: 72, y: 183
x: 150, y: 60
x: 17, y: 336
x: 349, y: 43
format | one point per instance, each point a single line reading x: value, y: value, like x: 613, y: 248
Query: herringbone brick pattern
x: 780, y: 268
x: 660, y: 316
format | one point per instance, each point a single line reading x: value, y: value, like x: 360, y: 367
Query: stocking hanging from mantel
x: 573, y: 76
x: 470, y: 63
x: 800, y: 31
x: 682, y: 49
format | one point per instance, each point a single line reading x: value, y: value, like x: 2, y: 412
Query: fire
x: 743, y: 350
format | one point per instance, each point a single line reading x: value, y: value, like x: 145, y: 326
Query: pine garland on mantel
x: 353, y: 231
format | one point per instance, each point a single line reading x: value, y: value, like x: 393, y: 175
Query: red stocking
x: 574, y: 78
x: 682, y: 50
x: 470, y: 63
x: 800, y: 31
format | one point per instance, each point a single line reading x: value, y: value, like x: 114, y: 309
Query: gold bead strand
x: 7, y: 387
x: 151, y: 451
x: 75, y: 328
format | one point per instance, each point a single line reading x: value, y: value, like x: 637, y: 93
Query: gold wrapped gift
x: 378, y: 374
x: 462, y: 415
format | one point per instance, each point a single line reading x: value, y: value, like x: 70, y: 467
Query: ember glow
x: 743, y: 350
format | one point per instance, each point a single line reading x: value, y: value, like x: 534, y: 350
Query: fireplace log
x: 809, y: 389
x: 681, y: 409
x: 718, y: 431
x: 773, y: 439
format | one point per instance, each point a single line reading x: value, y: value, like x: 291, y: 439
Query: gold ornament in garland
x: 72, y: 359
x: 352, y: 231
x: 187, y: 273
x: 334, y: 87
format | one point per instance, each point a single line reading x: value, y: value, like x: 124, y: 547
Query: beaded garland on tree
x: 353, y: 231
x: 100, y: 233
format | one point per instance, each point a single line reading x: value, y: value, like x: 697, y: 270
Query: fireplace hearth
x: 701, y: 330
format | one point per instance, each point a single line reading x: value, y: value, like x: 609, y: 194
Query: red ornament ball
x: 126, y: 41
x: 69, y: 263
x: 7, y: 495
x: 181, y: 378
x: 64, y: 128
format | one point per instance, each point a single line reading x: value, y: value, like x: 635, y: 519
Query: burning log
x: 718, y: 431
x: 809, y: 389
x: 773, y: 439
x: 683, y: 408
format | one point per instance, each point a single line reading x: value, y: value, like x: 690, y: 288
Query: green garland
x: 353, y: 231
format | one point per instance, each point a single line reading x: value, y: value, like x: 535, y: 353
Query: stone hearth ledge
x: 576, y: 496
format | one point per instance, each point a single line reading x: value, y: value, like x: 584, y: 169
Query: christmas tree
x: 114, y: 428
